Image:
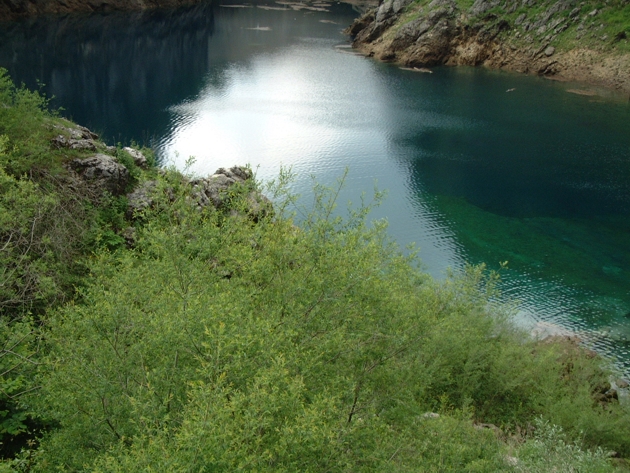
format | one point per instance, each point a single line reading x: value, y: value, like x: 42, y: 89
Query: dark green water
x: 536, y: 176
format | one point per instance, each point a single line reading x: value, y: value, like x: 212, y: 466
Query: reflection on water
x: 534, y: 176
x: 115, y: 73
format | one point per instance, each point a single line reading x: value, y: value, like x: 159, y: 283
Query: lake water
x: 480, y: 166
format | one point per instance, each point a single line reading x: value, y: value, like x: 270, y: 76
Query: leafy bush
x: 550, y: 450
x: 223, y: 344
x: 25, y: 260
x: 23, y: 114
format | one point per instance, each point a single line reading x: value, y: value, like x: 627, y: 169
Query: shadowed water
x: 480, y: 166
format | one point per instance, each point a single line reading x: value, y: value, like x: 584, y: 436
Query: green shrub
x: 550, y: 450
x: 27, y: 266
x: 223, y: 344
x: 23, y: 114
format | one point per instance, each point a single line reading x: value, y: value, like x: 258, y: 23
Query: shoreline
x: 440, y: 33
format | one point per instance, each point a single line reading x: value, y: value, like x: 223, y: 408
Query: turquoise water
x: 480, y: 166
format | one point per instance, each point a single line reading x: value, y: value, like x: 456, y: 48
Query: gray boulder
x: 205, y: 192
x: 361, y: 23
x: 416, y: 29
x: 103, y: 172
x: 213, y: 191
x: 141, y: 198
x: 76, y: 137
x: 399, y: 5
x: 410, y: 32
x: 137, y: 156
x: 77, y: 132
x: 384, y: 11
x: 521, y: 18
x: 61, y: 141
x: 448, y: 4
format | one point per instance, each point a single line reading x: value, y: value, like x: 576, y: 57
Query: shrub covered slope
x: 217, y: 339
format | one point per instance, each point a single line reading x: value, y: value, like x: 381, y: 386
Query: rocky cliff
x: 100, y: 171
x: 13, y: 9
x: 564, y: 39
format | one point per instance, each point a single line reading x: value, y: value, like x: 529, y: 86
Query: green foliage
x: 18, y: 348
x: 110, y: 221
x: 23, y: 114
x: 219, y: 344
x: 44, y: 232
x: 550, y: 450
x: 126, y: 160
x: 48, y: 228
x: 49, y: 221
x: 25, y: 259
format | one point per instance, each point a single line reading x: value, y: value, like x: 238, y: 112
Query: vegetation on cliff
x: 587, y: 41
x: 223, y: 337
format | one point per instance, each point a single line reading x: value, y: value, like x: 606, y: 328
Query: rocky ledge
x: 103, y: 171
x: 566, y: 39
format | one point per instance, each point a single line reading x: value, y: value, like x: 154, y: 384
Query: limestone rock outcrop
x: 138, y: 157
x: 102, y: 172
x: 76, y: 137
x: 141, y: 198
x: 214, y: 190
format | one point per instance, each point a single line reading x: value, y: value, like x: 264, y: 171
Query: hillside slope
x: 584, y: 41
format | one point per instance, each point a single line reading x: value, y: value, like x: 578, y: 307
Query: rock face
x: 437, y: 36
x: 102, y: 172
x: 77, y: 137
x: 211, y: 191
x: 141, y: 198
x: 13, y: 9
x: 137, y: 156
x: 492, y: 34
